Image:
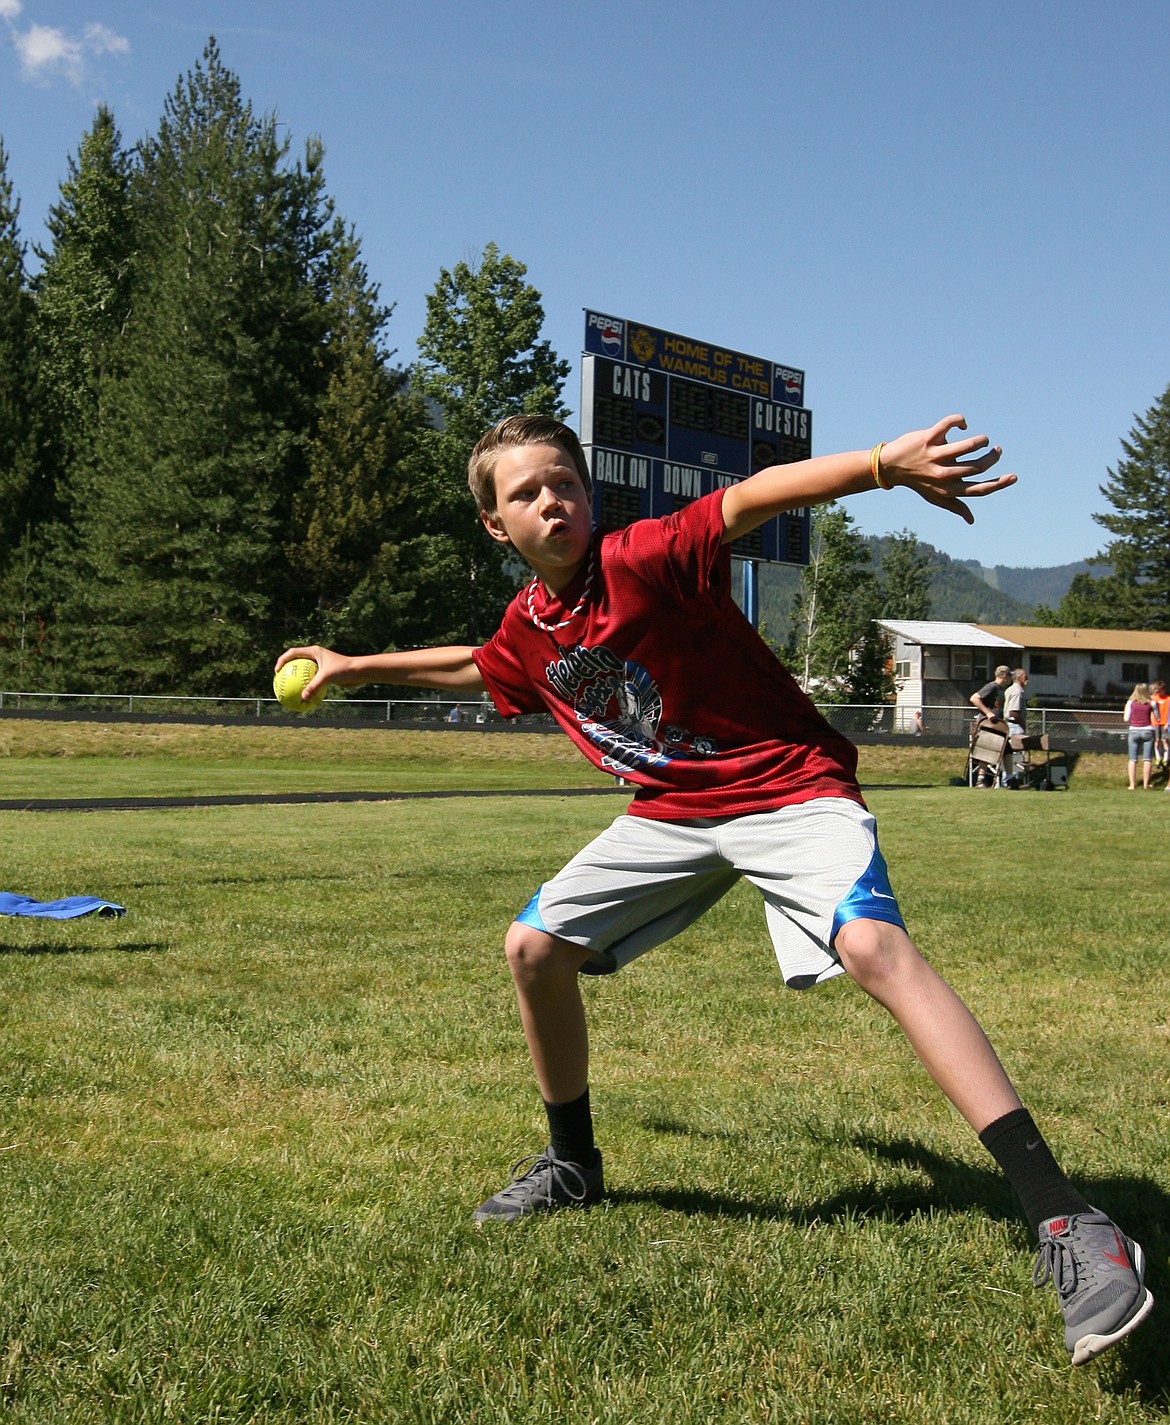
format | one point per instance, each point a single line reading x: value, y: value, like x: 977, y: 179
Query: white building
x: 939, y: 664
x: 1071, y: 665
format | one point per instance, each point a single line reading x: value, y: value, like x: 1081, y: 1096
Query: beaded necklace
x: 581, y: 602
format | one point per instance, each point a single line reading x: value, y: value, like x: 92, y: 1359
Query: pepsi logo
x: 609, y: 331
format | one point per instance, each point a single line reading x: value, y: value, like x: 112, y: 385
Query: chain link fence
x: 1069, y: 728
x: 334, y: 711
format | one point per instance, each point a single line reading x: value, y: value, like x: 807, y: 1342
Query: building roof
x: 1106, y: 640
x: 937, y: 632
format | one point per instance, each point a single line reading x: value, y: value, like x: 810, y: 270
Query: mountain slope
x: 960, y: 589
x: 1035, y: 586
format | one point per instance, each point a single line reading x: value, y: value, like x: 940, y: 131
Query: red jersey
x: 659, y: 678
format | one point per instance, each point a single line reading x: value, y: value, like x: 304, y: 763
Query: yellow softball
x: 290, y: 681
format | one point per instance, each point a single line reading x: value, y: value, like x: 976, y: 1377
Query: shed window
x: 970, y: 665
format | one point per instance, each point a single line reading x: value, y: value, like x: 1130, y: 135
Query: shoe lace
x: 1055, y: 1262
x: 567, y: 1177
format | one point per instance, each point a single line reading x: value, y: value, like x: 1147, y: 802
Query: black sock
x: 570, y: 1127
x: 1017, y: 1146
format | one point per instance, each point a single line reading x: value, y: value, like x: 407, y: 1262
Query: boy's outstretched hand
x: 933, y: 466
x: 328, y: 663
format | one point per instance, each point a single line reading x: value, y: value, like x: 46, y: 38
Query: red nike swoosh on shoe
x: 1121, y: 1256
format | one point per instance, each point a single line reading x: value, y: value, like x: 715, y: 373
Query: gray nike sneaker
x: 541, y: 1184
x: 1098, y: 1275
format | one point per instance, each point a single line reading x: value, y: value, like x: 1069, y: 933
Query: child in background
x: 1161, y: 705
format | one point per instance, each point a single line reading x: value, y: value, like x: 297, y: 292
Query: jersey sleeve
x: 505, y: 676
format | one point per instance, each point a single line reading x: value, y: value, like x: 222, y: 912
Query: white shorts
x: 640, y: 882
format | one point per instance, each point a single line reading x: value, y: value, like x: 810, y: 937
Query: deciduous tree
x: 838, y: 652
x: 905, y: 578
x: 482, y: 358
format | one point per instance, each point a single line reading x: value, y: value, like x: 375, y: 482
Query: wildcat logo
x: 643, y: 345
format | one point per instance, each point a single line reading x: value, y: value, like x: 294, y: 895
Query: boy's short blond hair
x: 515, y: 431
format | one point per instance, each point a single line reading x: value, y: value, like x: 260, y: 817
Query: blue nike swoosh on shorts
x: 871, y: 897
x: 530, y: 915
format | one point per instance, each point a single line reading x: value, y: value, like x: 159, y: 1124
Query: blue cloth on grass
x: 13, y: 904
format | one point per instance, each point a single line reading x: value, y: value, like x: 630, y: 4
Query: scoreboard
x: 665, y: 419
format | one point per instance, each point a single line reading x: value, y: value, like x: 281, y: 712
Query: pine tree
x: 82, y: 302
x: 348, y: 514
x: 1136, y: 594
x: 482, y: 359
x: 83, y: 288
x: 17, y: 370
x: 181, y: 579
x: 21, y: 484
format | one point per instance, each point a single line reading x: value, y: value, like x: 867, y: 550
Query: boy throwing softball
x: 632, y: 641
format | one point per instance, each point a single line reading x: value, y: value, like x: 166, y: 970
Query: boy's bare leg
x: 1098, y: 1272
x: 879, y: 957
x: 545, y: 974
x: 544, y: 971
x: 941, y: 1029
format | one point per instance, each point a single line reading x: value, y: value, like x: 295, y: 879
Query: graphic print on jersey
x: 619, y: 708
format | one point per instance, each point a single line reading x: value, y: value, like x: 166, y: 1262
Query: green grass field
x: 243, y: 1129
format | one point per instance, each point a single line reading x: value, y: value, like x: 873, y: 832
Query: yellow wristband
x: 875, y: 467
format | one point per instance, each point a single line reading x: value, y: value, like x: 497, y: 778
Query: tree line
x: 208, y: 451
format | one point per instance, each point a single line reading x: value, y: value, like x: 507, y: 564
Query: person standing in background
x: 1139, y: 718
x: 1016, y: 716
x: 989, y: 699
x: 1161, y: 704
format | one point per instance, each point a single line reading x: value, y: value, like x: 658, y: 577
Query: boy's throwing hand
x: 926, y: 462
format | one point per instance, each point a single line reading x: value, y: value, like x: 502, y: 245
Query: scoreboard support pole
x: 751, y: 592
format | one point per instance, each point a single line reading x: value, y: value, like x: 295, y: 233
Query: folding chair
x: 985, y: 755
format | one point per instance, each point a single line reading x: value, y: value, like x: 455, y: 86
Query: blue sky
x: 929, y: 207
